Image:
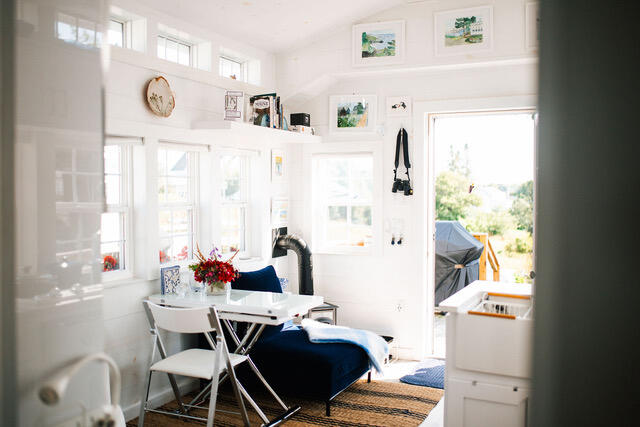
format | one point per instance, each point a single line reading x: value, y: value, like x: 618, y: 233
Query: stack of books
x: 266, y: 110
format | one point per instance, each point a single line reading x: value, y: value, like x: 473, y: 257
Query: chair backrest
x: 182, y: 320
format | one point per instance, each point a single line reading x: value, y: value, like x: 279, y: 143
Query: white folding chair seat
x: 195, y: 362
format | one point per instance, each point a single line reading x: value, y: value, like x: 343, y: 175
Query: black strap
x: 402, y: 140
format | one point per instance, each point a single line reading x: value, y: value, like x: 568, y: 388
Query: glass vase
x: 216, y: 288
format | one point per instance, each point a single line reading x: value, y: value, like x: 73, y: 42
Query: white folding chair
x: 195, y: 362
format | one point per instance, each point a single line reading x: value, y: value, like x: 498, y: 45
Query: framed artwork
x: 279, y: 211
x: 352, y: 114
x: 170, y: 279
x: 379, y: 43
x: 160, y: 98
x: 278, y: 166
x: 398, y: 106
x: 463, y: 31
x: 532, y: 25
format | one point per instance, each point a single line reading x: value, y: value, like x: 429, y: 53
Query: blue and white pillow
x: 170, y: 279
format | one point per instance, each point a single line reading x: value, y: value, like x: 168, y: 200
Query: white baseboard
x: 160, y: 398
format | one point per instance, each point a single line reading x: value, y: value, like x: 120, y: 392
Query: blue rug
x: 429, y: 373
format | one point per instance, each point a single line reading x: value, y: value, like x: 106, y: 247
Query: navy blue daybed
x: 293, y: 365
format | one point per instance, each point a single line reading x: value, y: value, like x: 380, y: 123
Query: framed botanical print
x: 352, y: 114
x: 463, y: 31
x: 379, y: 43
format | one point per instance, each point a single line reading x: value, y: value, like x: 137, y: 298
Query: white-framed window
x: 116, y: 33
x: 76, y: 30
x: 174, y: 50
x: 234, y: 209
x: 232, y: 68
x: 177, y: 203
x: 343, y: 201
x: 78, y: 187
x: 126, y: 30
x: 115, y: 235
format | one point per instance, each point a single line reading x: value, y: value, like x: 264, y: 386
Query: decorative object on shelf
x: 266, y: 110
x: 463, y: 31
x: 350, y: 114
x: 160, y: 99
x: 278, y: 165
x: 306, y: 130
x: 233, y: 105
x: 303, y: 119
x: 170, y: 280
x: 532, y: 25
x: 214, y: 272
x: 379, y: 43
x: 398, y: 106
x: 279, y: 211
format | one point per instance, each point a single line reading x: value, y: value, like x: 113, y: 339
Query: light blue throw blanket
x: 374, y: 345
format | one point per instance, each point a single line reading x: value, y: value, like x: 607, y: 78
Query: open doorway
x: 484, y: 201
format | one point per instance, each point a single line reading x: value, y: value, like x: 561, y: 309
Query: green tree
x: 452, y: 196
x: 522, y: 207
x: 495, y: 223
x: 459, y: 162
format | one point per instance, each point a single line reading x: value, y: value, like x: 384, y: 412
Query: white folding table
x: 258, y: 309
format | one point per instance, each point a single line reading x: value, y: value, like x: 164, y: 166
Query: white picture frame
x: 399, y: 106
x: 278, y: 165
x: 279, y: 212
x: 353, y: 114
x: 390, y: 36
x: 477, y: 36
x: 532, y: 25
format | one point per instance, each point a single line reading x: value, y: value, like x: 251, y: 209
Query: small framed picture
x: 379, y: 43
x: 279, y: 211
x: 278, y: 166
x: 532, y: 25
x: 398, y: 106
x: 463, y: 31
x: 170, y: 279
x: 352, y: 114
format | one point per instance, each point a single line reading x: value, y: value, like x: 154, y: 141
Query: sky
x: 500, y: 146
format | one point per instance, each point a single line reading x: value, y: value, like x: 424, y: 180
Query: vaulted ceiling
x: 273, y: 25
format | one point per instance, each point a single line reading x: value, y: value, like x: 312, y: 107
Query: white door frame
x: 423, y: 136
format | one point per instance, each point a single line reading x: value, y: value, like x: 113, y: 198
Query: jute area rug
x: 378, y: 403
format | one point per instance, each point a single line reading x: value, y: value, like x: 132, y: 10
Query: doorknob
x: 532, y: 274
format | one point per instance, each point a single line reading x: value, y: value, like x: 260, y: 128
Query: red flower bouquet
x: 109, y: 263
x: 212, y: 271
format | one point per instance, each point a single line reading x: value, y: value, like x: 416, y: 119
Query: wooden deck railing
x: 487, y: 254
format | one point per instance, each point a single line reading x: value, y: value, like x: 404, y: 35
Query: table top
x: 250, y: 306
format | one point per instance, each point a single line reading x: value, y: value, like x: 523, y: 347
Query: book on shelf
x: 267, y: 110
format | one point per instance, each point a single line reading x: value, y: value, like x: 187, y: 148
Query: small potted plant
x: 213, y: 272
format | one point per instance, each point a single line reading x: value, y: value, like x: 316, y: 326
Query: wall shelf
x: 251, y: 131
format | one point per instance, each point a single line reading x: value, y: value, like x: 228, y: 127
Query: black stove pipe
x: 305, y: 266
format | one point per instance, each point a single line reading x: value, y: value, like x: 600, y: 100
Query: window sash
x: 163, y: 43
x: 323, y: 201
x: 190, y: 205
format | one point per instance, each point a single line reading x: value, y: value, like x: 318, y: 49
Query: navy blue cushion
x: 264, y: 280
x: 293, y: 364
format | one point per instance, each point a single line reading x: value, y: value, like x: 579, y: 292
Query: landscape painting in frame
x: 464, y: 31
x: 380, y: 43
x: 352, y: 113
